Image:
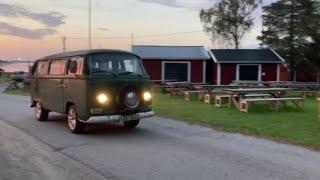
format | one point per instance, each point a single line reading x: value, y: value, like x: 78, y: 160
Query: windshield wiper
x: 101, y: 71
x: 129, y: 72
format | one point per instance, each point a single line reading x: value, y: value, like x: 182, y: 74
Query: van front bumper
x: 119, y: 118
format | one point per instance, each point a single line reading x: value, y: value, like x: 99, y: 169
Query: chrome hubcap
x: 72, y: 118
x: 38, y: 110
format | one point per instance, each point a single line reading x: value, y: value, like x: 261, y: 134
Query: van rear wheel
x: 41, y: 114
x: 131, y: 124
x: 74, y: 124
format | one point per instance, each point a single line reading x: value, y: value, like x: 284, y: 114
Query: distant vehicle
x: 91, y: 86
x: 1, y: 71
x: 19, y: 76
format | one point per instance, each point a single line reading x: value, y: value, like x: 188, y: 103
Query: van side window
x: 79, y: 61
x: 42, y: 68
x: 57, y: 67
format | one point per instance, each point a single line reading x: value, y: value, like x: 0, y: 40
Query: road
x: 162, y: 149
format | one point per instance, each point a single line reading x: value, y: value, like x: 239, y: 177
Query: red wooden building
x: 179, y: 63
x: 217, y: 66
x: 245, y: 65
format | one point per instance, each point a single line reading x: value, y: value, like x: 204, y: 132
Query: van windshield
x: 115, y: 64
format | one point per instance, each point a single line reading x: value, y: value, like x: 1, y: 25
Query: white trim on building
x: 278, y: 55
x: 278, y: 72
x: 204, y: 71
x: 218, y: 74
x: 213, y: 56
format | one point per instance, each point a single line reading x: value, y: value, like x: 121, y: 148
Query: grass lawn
x: 288, y: 125
x: 4, y: 79
x: 17, y: 91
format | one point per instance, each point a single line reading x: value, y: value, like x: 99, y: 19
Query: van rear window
x: 57, y: 67
x: 42, y: 68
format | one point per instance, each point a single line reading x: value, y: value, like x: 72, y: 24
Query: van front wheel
x: 74, y: 124
x: 40, y: 113
x: 131, y: 124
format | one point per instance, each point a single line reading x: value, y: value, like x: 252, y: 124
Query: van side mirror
x: 73, y: 67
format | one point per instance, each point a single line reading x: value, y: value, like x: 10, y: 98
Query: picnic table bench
x: 187, y: 94
x: 219, y: 99
x: 239, y: 100
x: 176, y: 91
x: 273, y: 102
x: 305, y: 93
x: 161, y: 88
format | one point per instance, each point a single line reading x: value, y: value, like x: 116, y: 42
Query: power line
x: 132, y: 37
x: 140, y: 36
x: 169, y: 34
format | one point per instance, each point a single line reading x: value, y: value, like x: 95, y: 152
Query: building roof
x: 84, y: 53
x: 171, y: 52
x: 246, y: 56
x: 1, y: 70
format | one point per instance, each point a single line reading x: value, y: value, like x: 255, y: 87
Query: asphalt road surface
x: 159, y: 149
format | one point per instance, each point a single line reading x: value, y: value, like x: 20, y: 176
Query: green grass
x: 288, y: 125
x: 17, y: 91
x: 4, y: 79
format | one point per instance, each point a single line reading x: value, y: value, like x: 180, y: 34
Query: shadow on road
x: 100, y: 129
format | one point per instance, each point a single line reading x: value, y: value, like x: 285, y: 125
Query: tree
x: 229, y: 19
x: 313, y: 48
x: 290, y: 26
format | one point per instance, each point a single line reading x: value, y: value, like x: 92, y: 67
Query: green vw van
x: 91, y: 86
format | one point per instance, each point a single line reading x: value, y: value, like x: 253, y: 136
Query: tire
x: 131, y: 124
x: 74, y: 124
x: 41, y: 114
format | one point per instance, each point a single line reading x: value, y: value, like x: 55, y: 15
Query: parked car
x: 1, y: 71
x: 91, y: 86
x: 19, y: 76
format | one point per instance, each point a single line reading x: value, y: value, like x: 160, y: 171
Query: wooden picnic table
x: 301, y: 86
x: 176, y: 84
x: 179, y: 82
x: 257, y: 90
x: 238, y: 94
x: 163, y: 81
x: 199, y: 84
x: 212, y: 87
x: 266, y: 84
x: 162, y: 87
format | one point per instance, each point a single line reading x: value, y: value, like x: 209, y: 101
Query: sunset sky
x: 30, y: 29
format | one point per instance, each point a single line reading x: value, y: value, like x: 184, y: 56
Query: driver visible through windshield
x: 115, y: 64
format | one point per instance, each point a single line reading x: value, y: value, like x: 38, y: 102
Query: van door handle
x: 60, y: 83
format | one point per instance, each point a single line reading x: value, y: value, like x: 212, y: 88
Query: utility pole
x: 64, y: 39
x: 90, y: 45
x: 132, y: 41
x: 262, y: 26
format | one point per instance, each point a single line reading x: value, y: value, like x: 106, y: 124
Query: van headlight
x: 147, y: 96
x: 102, y: 98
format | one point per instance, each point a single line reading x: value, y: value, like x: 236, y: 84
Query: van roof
x: 84, y: 53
